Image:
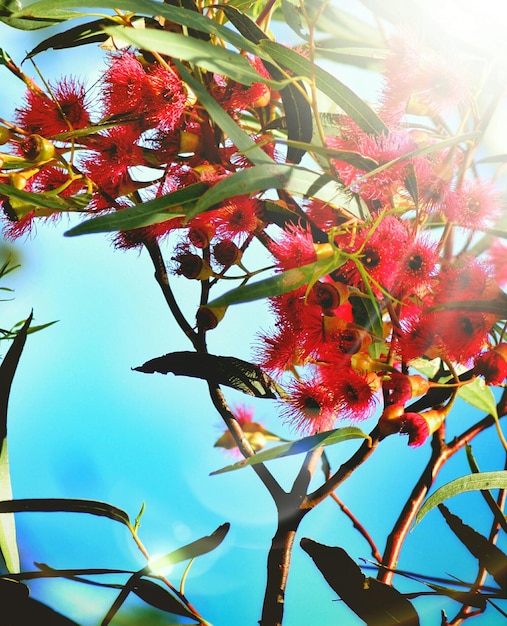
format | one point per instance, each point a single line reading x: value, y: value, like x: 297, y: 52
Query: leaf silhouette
x: 374, y: 602
x: 490, y: 557
x: 8, y: 543
x: 222, y: 370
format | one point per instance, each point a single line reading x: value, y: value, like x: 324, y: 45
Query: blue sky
x: 82, y: 424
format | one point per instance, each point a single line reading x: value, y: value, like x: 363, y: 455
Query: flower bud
x: 192, y: 266
x: 5, y: 135
x: 227, y: 253
x: 208, y: 317
x: 201, y: 234
x: 189, y: 142
x: 37, y: 148
x: 329, y: 295
x: 323, y: 250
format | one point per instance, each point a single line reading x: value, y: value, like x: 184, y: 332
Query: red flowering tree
x: 383, y: 259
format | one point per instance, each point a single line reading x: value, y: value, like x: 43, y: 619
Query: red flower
x: 293, y: 248
x: 310, y: 407
x: 65, y: 110
x: 115, y: 152
x: 416, y: 269
x: 381, y: 250
x: 477, y: 204
x: 238, y: 216
x: 353, y: 393
x: 493, y: 365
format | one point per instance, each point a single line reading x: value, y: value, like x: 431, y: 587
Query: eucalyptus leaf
x: 151, y: 212
x: 472, y: 482
x: 299, y: 446
x: 242, y: 141
x: 65, y: 505
x: 480, y: 396
x: 8, y: 367
x: 281, y: 283
x: 222, y: 370
x: 298, y: 112
x: 376, y: 603
x: 190, y: 551
x: 340, y: 94
x: 59, y: 10
x: 293, y: 178
x: 489, y: 555
x: 159, y: 597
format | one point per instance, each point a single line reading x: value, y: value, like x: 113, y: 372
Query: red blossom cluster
x: 142, y: 137
x: 404, y: 285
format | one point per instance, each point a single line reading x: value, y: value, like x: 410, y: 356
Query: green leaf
x: 151, y: 212
x: 472, y: 482
x: 9, y: 7
x: 43, y: 200
x: 339, y: 93
x: 293, y: 178
x: 491, y: 502
x: 59, y: 11
x: 299, y: 446
x: 377, y: 603
x: 298, y: 112
x: 237, y: 135
x: 8, y: 543
x: 201, y: 53
x: 190, y: 551
x: 222, y: 370
x: 65, y: 505
x: 91, y: 32
x: 356, y: 159
x: 480, y: 396
x: 280, y: 283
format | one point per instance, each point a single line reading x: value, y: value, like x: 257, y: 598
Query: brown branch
x: 163, y: 280
x: 278, y: 565
x: 359, y: 527
x: 345, y: 470
x: 441, y: 453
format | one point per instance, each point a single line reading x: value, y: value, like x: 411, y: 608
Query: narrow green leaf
x: 65, y: 505
x: 203, y: 54
x: 59, y: 10
x: 8, y: 543
x: 243, y: 142
x: 472, y: 482
x: 9, y: 7
x: 480, y: 396
x: 91, y: 32
x: 190, y: 551
x: 280, y: 283
x: 151, y: 212
x: 491, y: 502
x: 299, y: 446
x: 293, y: 178
x: 297, y: 109
x: 40, y: 199
x: 339, y: 93
x: 222, y: 370
x: 356, y: 159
